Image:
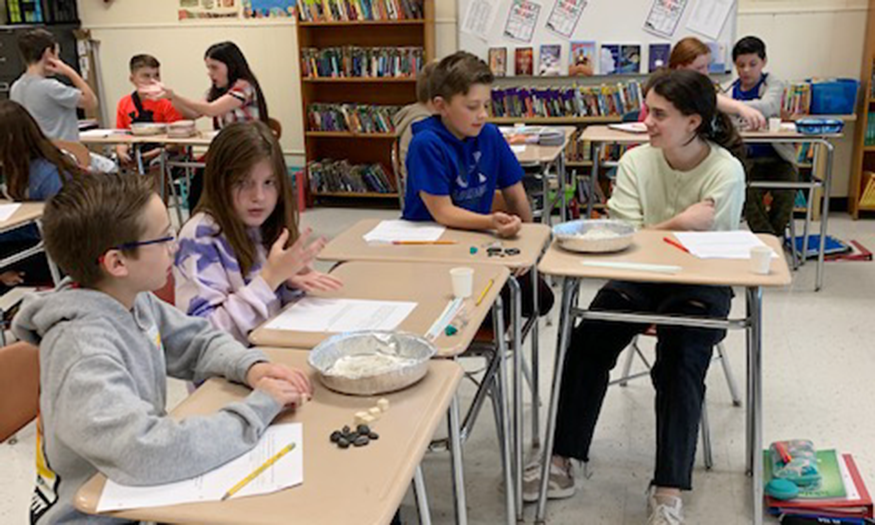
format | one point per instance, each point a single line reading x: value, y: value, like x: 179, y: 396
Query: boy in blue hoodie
x: 106, y: 348
x: 457, y: 161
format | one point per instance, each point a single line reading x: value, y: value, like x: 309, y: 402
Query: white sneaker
x: 561, y: 483
x: 665, y: 511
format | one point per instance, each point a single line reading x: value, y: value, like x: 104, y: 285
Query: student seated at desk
x: 240, y: 257
x: 457, y: 161
x: 135, y: 108
x: 687, y: 179
x: 764, y: 162
x: 692, y: 53
x: 107, y: 345
x: 31, y: 168
x: 235, y: 96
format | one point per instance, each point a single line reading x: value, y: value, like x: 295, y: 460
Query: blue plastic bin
x: 834, y: 97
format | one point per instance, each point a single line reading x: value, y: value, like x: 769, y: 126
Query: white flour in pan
x: 598, y: 234
x: 357, y: 366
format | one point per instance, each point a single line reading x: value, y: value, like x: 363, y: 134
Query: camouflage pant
x: 775, y: 217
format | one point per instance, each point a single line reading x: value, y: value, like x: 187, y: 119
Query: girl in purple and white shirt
x: 240, y: 257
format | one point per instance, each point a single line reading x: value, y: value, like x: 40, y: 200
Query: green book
x: 831, y: 484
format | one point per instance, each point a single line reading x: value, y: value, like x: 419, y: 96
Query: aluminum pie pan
x: 569, y: 235
x: 367, y: 342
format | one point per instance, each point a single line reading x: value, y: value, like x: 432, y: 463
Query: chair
x: 634, y: 350
x: 19, y: 388
x: 76, y: 150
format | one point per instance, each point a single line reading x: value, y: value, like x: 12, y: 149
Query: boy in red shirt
x: 145, y: 70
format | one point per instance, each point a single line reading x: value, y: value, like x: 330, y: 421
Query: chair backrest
x: 400, y: 181
x: 276, y: 127
x: 19, y: 387
x: 77, y: 150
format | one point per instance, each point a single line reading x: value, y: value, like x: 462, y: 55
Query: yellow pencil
x: 267, y: 464
x: 484, y: 292
x: 417, y: 243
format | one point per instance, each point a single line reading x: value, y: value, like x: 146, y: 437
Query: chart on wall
x: 593, y: 37
x: 194, y: 10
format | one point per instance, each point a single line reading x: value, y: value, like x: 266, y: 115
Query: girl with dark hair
x: 33, y: 169
x: 688, y: 178
x: 240, y: 258
x: 235, y: 95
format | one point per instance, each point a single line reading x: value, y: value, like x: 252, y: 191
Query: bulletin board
x: 608, y: 26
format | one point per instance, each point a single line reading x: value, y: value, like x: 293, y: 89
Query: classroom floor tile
x: 817, y: 385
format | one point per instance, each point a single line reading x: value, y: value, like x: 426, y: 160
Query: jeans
x: 682, y: 358
x: 776, y: 217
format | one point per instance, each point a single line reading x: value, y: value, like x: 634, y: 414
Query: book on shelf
x: 870, y: 130
x: 523, y: 62
x: 797, y: 98
x: 658, y: 56
x: 582, y: 59
x: 361, y: 62
x: 805, y: 153
x: 332, y: 176
x: 356, y: 118
x: 576, y: 101
x: 549, y: 60
x: 359, y: 10
x: 498, y: 61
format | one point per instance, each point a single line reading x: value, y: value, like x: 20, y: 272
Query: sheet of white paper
x: 720, y: 245
x: 479, y: 18
x: 316, y: 314
x: 630, y: 127
x: 521, y: 20
x: 664, y: 16
x: 102, y: 133
x: 8, y: 210
x: 851, y: 492
x: 564, y: 16
x: 285, y: 473
x: 398, y: 230
x: 709, y: 16
x: 518, y: 148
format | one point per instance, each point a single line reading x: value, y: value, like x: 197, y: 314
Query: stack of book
x: 577, y: 150
x: 330, y: 176
x: 840, y: 494
x: 868, y: 195
x: 355, y: 118
x: 805, y: 153
x: 352, y: 62
x: 870, y: 130
x: 577, y: 101
x: 797, y: 98
x: 359, y: 10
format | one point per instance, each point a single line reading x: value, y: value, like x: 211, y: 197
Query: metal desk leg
x: 162, y: 165
x: 421, y: 497
x: 501, y: 382
x: 593, y: 179
x: 755, y: 316
x: 560, y: 170
x: 456, y: 462
x: 533, y: 340
x: 53, y: 268
x: 824, y: 213
x: 566, y: 321
x: 516, y: 326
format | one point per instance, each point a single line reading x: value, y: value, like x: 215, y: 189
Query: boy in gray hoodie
x: 107, y: 345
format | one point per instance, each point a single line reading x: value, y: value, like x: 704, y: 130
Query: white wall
x: 804, y: 37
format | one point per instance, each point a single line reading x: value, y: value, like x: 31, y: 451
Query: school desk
x: 26, y: 214
x: 351, y: 246
x: 427, y: 284
x: 598, y: 136
x: 544, y: 157
x: 649, y: 248
x: 356, y: 485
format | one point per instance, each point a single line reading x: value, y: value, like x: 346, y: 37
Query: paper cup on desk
x: 760, y: 259
x: 774, y: 125
x: 463, y: 281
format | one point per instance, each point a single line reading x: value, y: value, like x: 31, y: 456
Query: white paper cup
x: 760, y: 259
x: 463, y: 281
x: 774, y: 124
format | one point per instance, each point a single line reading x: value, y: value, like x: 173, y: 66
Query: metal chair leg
x: 421, y: 497
x: 706, y: 436
x: 730, y: 377
x: 627, y: 366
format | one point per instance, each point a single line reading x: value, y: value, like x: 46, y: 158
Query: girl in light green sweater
x: 687, y: 178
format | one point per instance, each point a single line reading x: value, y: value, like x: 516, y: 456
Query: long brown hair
x: 21, y: 142
x: 686, y: 51
x: 692, y: 93
x: 230, y: 159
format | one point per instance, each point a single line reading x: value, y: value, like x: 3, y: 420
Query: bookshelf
x: 360, y: 148
x: 864, y: 155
